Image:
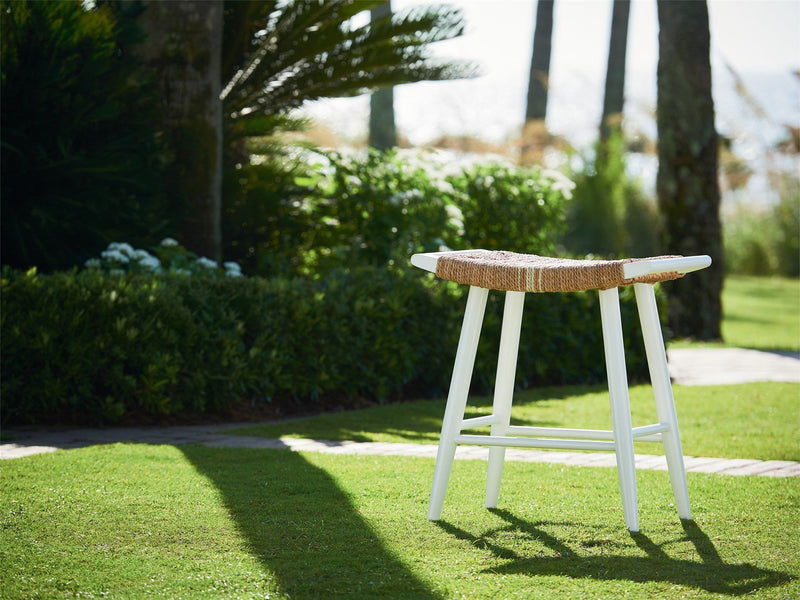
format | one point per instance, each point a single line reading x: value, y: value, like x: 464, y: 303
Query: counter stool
x: 516, y: 274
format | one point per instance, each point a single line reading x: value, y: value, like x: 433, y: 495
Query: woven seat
x: 516, y: 274
x: 509, y: 271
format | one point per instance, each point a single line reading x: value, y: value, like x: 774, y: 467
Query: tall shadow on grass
x: 302, y: 527
x: 710, y: 573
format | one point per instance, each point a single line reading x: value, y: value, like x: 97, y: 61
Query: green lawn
x: 754, y: 420
x: 759, y: 312
x: 141, y: 521
x: 134, y: 521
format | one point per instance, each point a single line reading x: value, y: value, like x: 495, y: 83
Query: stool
x: 517, y: 274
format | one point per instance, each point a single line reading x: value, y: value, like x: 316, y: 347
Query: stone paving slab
x: 32, y: 443
x: 717, y: 366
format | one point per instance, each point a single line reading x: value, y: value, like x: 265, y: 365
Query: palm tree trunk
x: 687, y: 184
x: 536, y: 109
x: 614, y: 97
x: 183, y: 49
x: 382, y: 130
x: 534, y: 135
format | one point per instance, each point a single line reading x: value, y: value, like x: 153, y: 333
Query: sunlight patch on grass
x: 758, y: 312
x: 753, y: 420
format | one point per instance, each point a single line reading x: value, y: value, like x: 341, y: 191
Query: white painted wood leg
x: 620, y: 404
x: 504, y: 390
x: 457, y: 397
x: 662, y: 390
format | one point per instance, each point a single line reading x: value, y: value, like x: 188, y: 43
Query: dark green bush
x: 265, y: 218
x: 78, y: 127
x: 89, y: 347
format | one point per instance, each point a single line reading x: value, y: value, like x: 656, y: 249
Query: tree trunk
x: 534, y: 134
x: 687, y: 184
x: 382, y: 130
x: 183, y: 48
x: 615, y: 72
x: 536, y: 109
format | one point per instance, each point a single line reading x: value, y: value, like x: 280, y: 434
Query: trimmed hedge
x: 92, y: 348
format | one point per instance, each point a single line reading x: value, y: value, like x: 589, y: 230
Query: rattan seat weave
x: 510, y: 271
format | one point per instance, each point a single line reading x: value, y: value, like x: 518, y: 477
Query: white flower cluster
x: 121, y: 253
x: 559, y: 182
x: 119, y: 257
x: 232, y: 269
x: 455, y: 217
x: 207, y: 263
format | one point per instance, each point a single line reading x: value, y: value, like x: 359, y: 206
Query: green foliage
x: 609, y: 214
x: 511, y: 208
x: 379, y: 208
x: 94, y: 347
x: 264, y: 217
x: 78, y: 133
x: 765, y: 242
x: 277, y: 55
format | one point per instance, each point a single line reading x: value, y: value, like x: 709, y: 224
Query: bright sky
x: 756, y: 37
x: 751, y: 34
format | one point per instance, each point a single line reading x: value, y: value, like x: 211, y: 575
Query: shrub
x: 78, y: 131
x: 381, y: 207
x: 609, y: 214
x: 92, y: 347
x: 511, y: 208
x: 266, y: 218
x: 765, y: 242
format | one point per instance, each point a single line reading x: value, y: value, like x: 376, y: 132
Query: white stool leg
x: 457, y: 397
x: 620, y: 404
x: 504, y: 389
x: 662, y: 390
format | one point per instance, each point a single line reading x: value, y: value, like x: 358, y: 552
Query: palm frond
x: 306, y: 50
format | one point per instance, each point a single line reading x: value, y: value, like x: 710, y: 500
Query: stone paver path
x: 37, y: 442
x: 687, y: 367
x: 717, y: 366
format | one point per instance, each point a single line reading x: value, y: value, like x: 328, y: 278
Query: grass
x: 141, y: 521
x: 762, y: 313
x: 754, y: 420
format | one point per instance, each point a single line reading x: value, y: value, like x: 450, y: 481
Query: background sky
x: 759, y: 39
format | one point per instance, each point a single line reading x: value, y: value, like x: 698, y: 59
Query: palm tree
x: 306, y: 50
x: 536, y: 108
x: 183, y: 49
x: 382, y: 130
x: 614, y: 96
x: 274, y: 57
x: 687, y: 185
x: 534, y: 131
